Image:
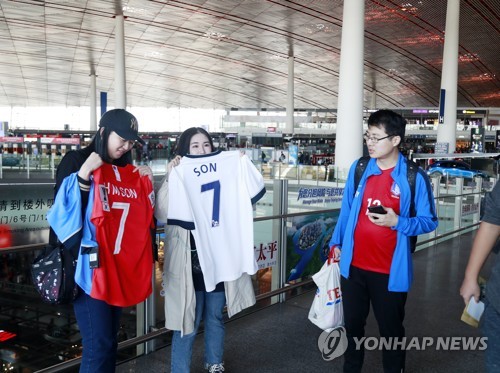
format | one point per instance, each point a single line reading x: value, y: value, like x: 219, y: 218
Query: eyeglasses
x: 374, y: 140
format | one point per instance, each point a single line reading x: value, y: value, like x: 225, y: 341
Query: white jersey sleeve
x: 252, y: 179
x: 179, y: 206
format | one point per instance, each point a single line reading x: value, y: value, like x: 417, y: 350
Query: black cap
x: 123, y: 123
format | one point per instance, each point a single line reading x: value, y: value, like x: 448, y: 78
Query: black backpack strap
x: 411, y: 174
x: 359, y: 171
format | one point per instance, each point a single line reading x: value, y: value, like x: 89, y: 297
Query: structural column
x: 290, y: 97
x: 349, y: 141
x: 93, y: 102
x: 449, y: 79
x: 120, y: 81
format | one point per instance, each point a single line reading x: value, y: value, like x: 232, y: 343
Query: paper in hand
x: 473, y: 312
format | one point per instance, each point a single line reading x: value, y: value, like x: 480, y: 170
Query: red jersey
x: 374, y: 245
x: 123, y: 217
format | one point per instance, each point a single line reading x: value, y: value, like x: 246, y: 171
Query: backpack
x: 412, y: 170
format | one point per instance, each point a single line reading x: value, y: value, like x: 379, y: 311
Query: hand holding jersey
x: 173, y: 163
x: 119, y: 216
x: 144, y: 170
x: 92, y: 163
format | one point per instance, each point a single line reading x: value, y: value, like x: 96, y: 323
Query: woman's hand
x: 145, y: 171
x: 173, y: 163
x: 92, y: 163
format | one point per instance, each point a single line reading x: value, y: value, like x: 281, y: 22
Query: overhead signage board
x: 441, y: 148
x: 60, y: 140
x: 12, y: 140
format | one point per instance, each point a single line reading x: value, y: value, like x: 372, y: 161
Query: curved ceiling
x: 233, y: 53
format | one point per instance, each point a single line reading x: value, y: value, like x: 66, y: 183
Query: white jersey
x: 212, y: 195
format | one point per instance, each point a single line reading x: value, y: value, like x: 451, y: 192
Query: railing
x: 31, y: 166
x: 162, y: 332
x: 453, y: 197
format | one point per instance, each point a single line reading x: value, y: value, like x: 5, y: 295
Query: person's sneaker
x: 214, y: 368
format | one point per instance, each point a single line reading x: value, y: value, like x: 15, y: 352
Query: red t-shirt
x: 374, y: 245
x: 123, y: 216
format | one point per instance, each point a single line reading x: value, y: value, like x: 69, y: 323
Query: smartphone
x: 378, y: 209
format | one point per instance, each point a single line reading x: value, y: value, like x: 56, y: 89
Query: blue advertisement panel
x: 104, y: 102
x: 293, y: 155
x: 442, y: 98
x: 308, y: 240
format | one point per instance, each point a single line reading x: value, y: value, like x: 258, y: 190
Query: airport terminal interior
x: 269, y: 79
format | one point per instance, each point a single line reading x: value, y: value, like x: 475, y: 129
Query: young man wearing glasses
x: 374, y: 247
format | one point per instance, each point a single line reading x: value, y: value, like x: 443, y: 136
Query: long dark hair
x: 100, y: 146
x: 185, y: 139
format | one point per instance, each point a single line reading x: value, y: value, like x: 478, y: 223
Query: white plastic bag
x: 326, y: 310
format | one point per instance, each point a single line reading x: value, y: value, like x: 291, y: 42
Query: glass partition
x: 292, y: 228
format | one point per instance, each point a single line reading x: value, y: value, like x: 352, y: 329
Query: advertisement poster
x: 308, y: 240
x: 281, y: 156
x: 293, y: 154
x: 266, y: 254
x: 477, y: 140
x: 266, y: 154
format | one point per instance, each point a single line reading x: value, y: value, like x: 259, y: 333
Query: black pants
x: 361, y: 289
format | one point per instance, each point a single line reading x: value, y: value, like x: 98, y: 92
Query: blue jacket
x: 65, y: 218
x: 425, y: 221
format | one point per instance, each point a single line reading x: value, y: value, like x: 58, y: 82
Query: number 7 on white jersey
x: 215, y: 185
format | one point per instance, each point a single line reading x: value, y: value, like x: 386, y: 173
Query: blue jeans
x: 491, y: 329
x: 209, y: 306
x: 99, y: 324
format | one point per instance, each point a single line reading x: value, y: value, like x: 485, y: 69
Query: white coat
x: 180, y: 300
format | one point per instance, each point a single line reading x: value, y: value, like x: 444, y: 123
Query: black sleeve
x: 153, y: 241
x: 492, y: 206
x: 70, y: 163
x: 492, y: 211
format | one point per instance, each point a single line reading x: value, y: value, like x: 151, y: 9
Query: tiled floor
x: 281, y: 339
